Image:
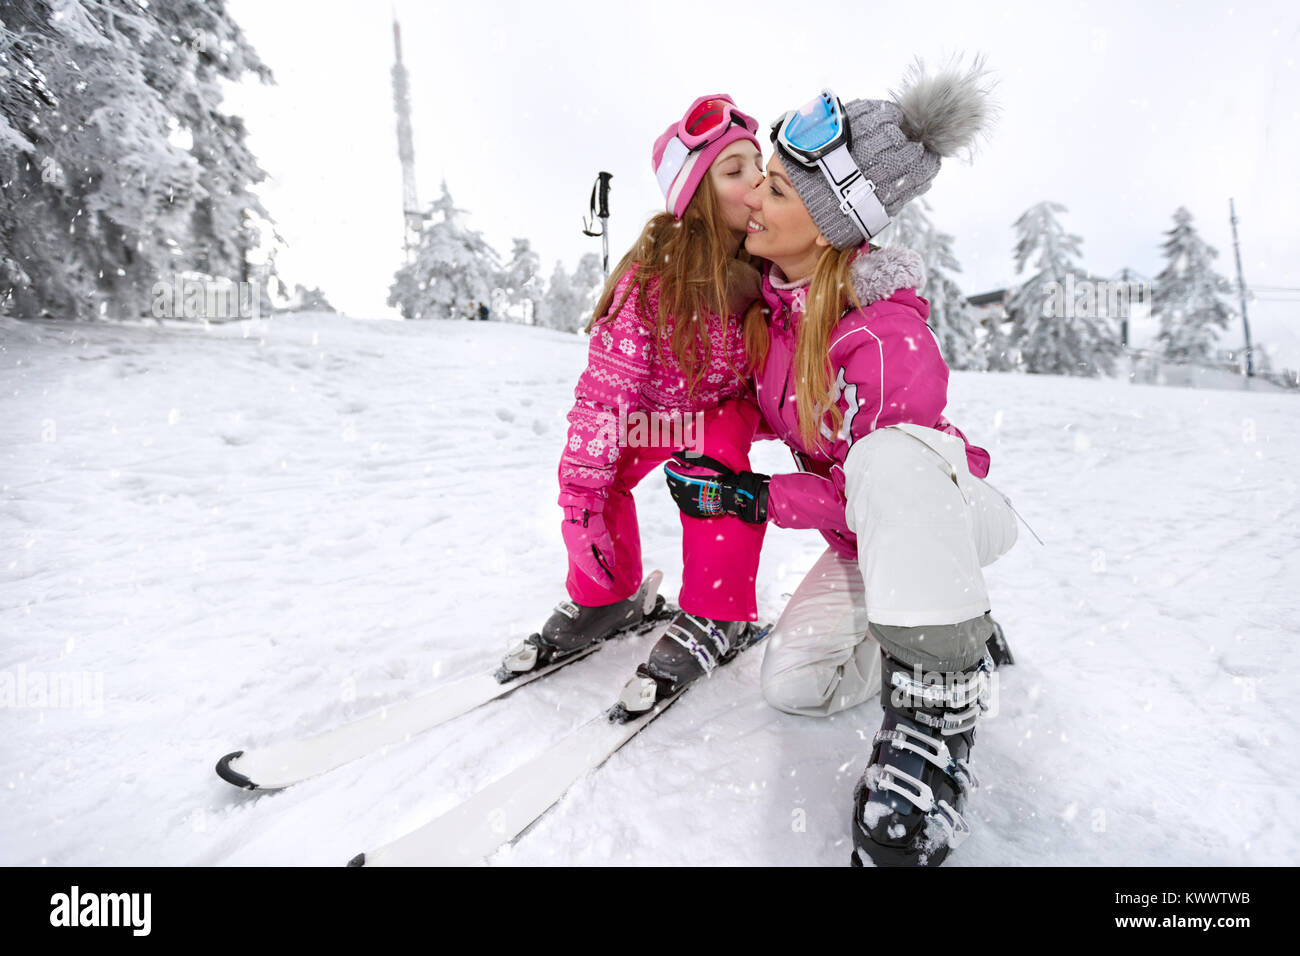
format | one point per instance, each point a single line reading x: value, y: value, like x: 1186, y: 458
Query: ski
x: 281, y: 765
x: 470, y: 832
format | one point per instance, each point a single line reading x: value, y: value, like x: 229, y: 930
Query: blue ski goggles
x: 810, y: 132
x: 818, y: 136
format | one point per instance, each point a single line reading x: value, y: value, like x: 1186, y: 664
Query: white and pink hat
x: 687, y: 148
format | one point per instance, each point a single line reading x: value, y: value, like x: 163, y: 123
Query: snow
x: 257, y: 530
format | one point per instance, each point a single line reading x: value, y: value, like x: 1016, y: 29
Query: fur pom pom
x: 947, y: 110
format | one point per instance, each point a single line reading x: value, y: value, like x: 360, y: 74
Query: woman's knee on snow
x: 819, y: 688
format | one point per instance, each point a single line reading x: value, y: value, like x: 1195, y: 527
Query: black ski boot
x: 573, y: 628
x: 691, y: 647
x: 907, y: 807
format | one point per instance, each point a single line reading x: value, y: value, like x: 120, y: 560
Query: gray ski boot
x: 691, y: 647
x: 572, y: 628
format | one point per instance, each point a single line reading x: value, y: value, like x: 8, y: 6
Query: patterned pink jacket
x: 630, y: 368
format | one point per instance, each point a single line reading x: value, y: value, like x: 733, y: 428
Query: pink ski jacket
x: 886, y: 368
x: 630, y: 368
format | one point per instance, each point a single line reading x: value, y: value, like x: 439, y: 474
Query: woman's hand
x: 704, y: 487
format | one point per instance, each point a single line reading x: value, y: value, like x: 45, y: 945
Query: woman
x: 854, y: 383
x: 670, y: 353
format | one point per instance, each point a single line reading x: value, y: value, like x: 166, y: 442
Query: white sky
x: 1121, y: 111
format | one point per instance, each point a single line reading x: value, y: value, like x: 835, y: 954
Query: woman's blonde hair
x: 829, y: 293
x: 691, y: 259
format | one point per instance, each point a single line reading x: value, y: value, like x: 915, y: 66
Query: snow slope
x: 245, y: 533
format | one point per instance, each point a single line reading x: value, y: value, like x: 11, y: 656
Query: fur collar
x: 884, y: 271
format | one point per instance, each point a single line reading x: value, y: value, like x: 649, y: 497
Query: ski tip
x: 358, y: 860
x: 232, y: 776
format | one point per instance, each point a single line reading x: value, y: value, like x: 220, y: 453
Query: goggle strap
x: 857, y: 194
x: 670, y: 164
x: 684, y: 174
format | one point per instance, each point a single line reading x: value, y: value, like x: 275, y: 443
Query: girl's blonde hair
x: 691, y: 260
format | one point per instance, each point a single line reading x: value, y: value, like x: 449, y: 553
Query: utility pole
x: 1123, y: 325
x: 411, y: 215
x: 1241, y: 289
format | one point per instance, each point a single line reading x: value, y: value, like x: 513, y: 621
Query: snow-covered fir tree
x: 1188, y: 295
x: 118, y: 162
x: 1052, y: 335
x: 563, y: 307
x: 454, y: 268
x: 227, y: 218
x: 520, y: 281
x: 588, y: 283
x: 950, y: 316
x: 996, y: 351
x: 308, y: 300
x: 1263, y: 359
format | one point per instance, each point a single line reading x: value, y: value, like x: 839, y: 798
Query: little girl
x: 670, y: 346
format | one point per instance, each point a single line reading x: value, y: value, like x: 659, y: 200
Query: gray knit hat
x: 898, y: 143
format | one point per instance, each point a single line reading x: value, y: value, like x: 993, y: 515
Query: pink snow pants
x: 719, y: 555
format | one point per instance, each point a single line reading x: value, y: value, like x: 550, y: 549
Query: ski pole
x: 600, y: 210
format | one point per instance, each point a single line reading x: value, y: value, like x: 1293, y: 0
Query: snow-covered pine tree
x: 1188, y: 295
x: 26, y: 94
x: 562, y: 306
x: 588, y: 283
x: 520, y: 281
x: 950, y: 316
x: 308, y: 300
x: 1263, y: 359
x: 109, y: 158
x: 996, y: 351
x: 226, y: 212
x: 571, y: 298
x: 453, y: 270
x: 1076, y: 339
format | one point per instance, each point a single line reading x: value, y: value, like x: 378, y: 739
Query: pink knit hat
x: 687, y: 148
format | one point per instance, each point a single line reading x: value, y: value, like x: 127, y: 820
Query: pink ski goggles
x: 709, y: 119
x: 708, y: 126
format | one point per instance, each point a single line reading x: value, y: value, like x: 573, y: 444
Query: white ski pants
x: 925, y: 527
